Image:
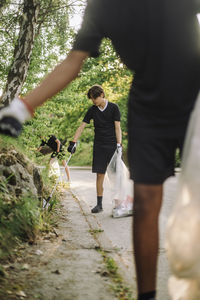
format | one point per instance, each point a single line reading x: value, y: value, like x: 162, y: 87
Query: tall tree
x: 45, y: 22
x: 22, y: 51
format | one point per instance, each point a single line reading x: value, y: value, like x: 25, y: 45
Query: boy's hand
x: 13, y: 116
x: 72, y: 147
x: 119, y: 148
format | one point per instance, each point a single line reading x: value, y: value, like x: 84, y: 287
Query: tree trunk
x: 22, y: 51
x: 2, y: 3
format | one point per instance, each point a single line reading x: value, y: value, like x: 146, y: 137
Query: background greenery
x: 22, y: 218
x: 62, y: 114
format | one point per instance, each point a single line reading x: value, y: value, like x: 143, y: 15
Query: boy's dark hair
x: 95, y: 91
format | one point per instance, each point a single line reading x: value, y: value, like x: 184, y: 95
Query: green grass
x: 83, y: 155
x: 19, y: 221
x: 94, y: 231
x: 122, y: 292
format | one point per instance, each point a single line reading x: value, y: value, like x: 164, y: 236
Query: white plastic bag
x: 54, y: 169
x: 184, y: 289
x: 121, y: 187
x: 183, y: 228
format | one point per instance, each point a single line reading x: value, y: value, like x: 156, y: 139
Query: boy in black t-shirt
x: 57, y: 148
x: 106, y: 118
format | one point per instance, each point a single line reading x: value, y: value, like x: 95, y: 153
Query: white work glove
x: 13, y: 116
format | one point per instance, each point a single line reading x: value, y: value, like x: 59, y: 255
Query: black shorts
x: 152, y: 160
x: 102, y: 154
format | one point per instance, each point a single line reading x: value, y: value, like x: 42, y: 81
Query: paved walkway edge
x: 104, y: 243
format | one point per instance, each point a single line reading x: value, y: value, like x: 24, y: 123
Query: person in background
x: 106, y: 118
x: 159, y: 41
x: 58, y: 151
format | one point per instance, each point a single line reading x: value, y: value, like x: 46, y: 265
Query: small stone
x: 104, y: 273
x: 56, y: 272
x: 25, y: 267
x: 19, y: 259
x: 9, y: 292
x: 38, y: 252
x: 11, y: 267
x: 21, y: 294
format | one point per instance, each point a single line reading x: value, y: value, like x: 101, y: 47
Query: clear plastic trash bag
x: 183, y: 227
x: 121, y: 187
x: 54, y: 169
x: 184, y: 289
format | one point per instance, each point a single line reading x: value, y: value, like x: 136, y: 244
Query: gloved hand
x: 119, y: 148
x: 13, y: 116
x: 72, y: 147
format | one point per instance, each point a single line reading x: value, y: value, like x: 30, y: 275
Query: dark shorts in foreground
x: 102, y: 155
x: 152, y: 160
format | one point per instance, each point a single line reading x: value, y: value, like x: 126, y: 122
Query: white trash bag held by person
x: 121, y: 187
x: 183, y: 227
x: 184, y: 289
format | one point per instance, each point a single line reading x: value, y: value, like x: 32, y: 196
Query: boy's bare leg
x: 66, y: 169
x: 147, y: 204
x: 99, y: 184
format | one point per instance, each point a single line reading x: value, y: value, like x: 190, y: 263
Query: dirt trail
x: 64, y: 265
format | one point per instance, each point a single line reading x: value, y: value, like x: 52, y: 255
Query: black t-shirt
x: 51, y: 142
x: 159, y: 41
x: 104, y: 122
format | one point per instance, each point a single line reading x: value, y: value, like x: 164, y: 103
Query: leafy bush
x: 19, y: 221
x: 22, y: 217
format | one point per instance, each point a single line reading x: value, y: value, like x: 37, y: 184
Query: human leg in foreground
x: 147, y: 204
x: 151, y: 161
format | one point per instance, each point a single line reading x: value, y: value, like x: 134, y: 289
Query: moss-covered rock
x: 20, y: 175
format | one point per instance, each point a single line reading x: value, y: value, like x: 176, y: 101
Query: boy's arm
x: 58, y: 79
x: 39, y: 148
x: 79, y: 131
x: 21, y: 110
x: 118, y: 132
x: 58, y: 145
x: 72, y: 144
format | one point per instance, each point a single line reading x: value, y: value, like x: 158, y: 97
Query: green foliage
x: 122, y: 292
x: 52, y: 41
x: 64, y: 113
x: 178, y: 159
x: 22, y: 218
x: 9, y: 18
x: 19, y: 220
